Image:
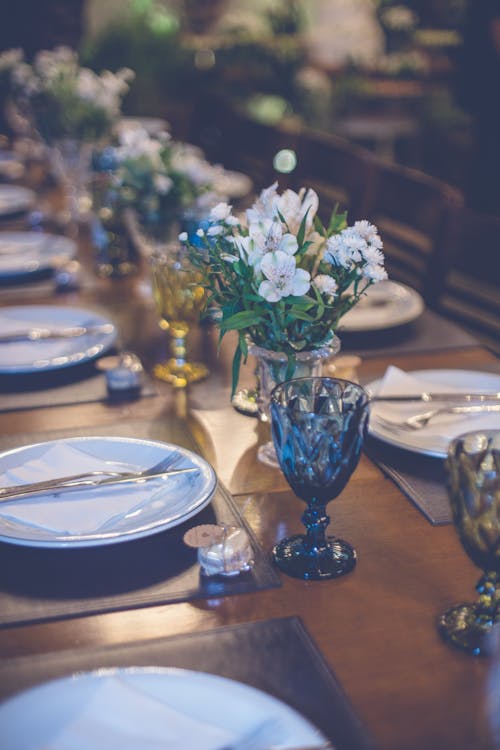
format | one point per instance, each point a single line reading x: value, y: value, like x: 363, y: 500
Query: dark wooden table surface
x: 375, y: 627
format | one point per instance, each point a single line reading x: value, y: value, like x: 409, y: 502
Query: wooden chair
x: 231, y: 137
x: 471, y: 292
x: 418, y: 217
x: 338, y: 170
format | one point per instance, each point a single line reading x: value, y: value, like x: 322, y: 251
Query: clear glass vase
x: 272, y: 368
x: 71, y: 164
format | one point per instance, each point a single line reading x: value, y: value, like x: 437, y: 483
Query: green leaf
x: 236, y: 369
x: 243, y: 319
x: 318, y: 225
x: 302, y: 229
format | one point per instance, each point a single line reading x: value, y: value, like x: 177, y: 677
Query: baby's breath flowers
x: 279, y: 277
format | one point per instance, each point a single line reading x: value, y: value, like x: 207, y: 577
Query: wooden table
x: 375, y: 627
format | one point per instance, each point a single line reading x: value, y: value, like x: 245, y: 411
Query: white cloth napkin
x: 120, y: 715
x: 81, y: 511
x: 443, y: 427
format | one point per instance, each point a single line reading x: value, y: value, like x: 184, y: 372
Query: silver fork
x: 94, y: 479
x: 419, y: 421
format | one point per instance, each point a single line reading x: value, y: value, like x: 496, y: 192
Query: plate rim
x: 412, y: 314
x: 50, y: 366
x: 393, y: 440
x: 226, y: 685
x: 24, y: 202
x: 107, y: 538
x: 45, y: 264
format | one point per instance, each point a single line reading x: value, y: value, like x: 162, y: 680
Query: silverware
x: 418, y: 421
x: 69, y: 332
x: 427, y: 397
x: 91, y: 480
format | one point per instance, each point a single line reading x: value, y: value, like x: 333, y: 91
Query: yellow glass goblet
x: 179, y: 298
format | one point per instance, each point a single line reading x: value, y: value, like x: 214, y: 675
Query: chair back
x: 418, y: 217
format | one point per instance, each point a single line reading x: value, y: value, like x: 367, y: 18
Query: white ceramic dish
x: 434, y: 439
x: 14, y: 199
x: 104, y: 515
x: 25, y: 253
x: 51, y: 354
x: 386, y: 305
x: 141, y: 707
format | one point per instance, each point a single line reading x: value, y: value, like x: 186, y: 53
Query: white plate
x: 14, y: 199
x: 424, y: 441
x: 24, y: 253
x: 51, y: 354
x: 141, y: 707
x: 385, y: 305
x: 105, y: 515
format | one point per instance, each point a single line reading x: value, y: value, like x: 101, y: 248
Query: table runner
x: 421, y: 478
x: 40, y: 584
x: 277, y: 656
x: 429, y: 333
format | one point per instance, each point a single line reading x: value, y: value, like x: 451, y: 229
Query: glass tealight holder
x: 230, y: 555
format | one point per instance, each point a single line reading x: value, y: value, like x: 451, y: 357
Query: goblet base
x: 295, y: 559
x: 461, y: 626
x: 180, y: 375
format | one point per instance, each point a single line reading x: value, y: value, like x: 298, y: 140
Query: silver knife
x: 40, y: 334
x: 65, y: 484
x: 428, y: 397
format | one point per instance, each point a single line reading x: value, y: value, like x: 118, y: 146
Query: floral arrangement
x: 279, y: 277
x: 67, y: 100
x: 160, y: 178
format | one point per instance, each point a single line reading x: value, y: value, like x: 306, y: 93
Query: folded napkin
x: 83, y: 511
x: 442, y: 428
x: 120, y: 715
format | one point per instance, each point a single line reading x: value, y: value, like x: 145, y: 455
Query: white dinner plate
x: 136, y: 708
x: 25, y: 253
x: 385, y: 305
x: 51, y: 354
x: 100, y: 515
x: 433, y: 440
x: 14, y: 199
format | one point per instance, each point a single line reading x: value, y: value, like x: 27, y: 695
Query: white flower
x: 183, y: 237
x: 294, y: 206
x: 374, y: 272
x: 325, y: 284
x: 220, y: 212
x: 162, y: 183
x: 283, y: 278
x: 368, y: 232
x: 200, y: 232
x: 215, y: 230
x: 344, y: 249
x: 265, y: 205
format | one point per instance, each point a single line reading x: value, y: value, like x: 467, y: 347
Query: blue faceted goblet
x: 318, y: 426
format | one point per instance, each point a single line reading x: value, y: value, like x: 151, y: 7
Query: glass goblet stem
x: 316, y: 521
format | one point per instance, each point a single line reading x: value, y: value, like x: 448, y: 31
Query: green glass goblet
x: 473, y: 472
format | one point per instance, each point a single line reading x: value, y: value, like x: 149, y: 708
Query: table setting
x: 202, y: 537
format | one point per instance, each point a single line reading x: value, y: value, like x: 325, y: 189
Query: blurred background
x: 387, y: 75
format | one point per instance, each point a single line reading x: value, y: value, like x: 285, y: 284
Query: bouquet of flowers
x: 161, y: 178
x: 279, y: 277
x: 67, y: 100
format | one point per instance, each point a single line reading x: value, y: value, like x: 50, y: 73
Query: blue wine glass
x: 318, y: 427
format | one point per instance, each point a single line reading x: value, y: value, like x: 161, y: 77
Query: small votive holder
x: 68, y: 276
x: 124, y: 375
x: 223, y: 549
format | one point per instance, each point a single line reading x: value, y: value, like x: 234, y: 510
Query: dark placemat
x: 421, y: 478
x: 38, y: 584
x: 81, y: 384
x: 429, y: 333
x: 276, y: 656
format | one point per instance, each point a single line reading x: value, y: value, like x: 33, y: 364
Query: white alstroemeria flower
x: 294, y: 206
x: 325, y: 284
x: 282, y: 277
x: 220, y: 212
x: 264, y: 207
